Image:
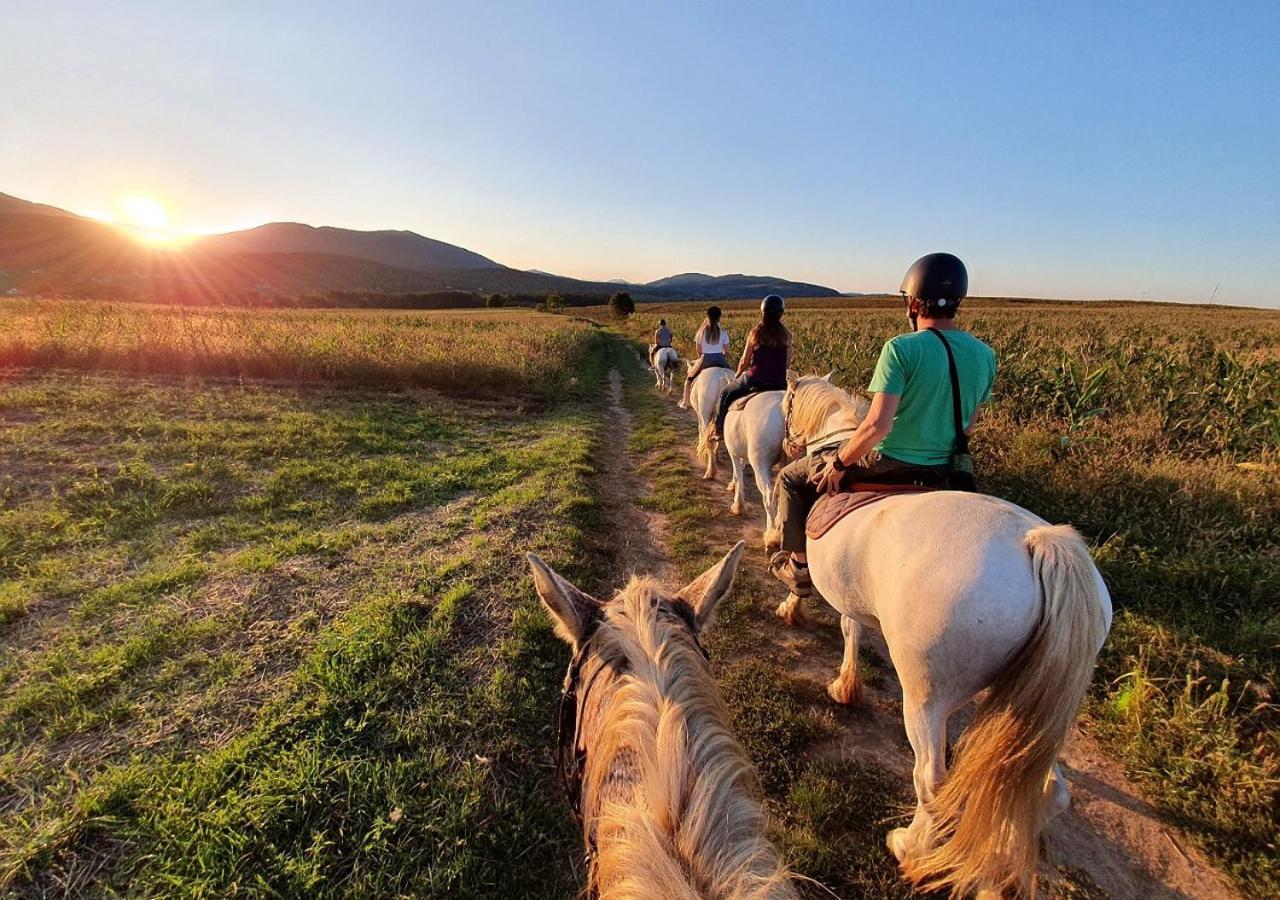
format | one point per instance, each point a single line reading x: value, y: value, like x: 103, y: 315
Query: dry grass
x: 486, y: 352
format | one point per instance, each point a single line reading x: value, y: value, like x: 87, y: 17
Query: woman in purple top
x: 765, y: 359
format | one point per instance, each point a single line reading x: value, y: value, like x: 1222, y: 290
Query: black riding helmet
x: 773, y: 304
x: 939, y: 279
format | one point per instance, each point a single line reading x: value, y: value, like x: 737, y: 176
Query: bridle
x: 571, y: 757
x: 788, y: 437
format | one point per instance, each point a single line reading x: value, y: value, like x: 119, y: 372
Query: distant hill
x: 14, y: 205
x: 403, y: 249
x: 699, y: 285
x: 47, y: 250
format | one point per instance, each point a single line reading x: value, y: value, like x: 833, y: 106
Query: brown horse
x: 669, y: 803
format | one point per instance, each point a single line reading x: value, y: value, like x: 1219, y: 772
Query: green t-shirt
x: 914, y: 366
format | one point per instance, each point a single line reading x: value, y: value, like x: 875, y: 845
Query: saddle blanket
x: 832, y: 508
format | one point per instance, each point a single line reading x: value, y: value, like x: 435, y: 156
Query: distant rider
x: 661, y: 338
x: 764, y: 363
x: 909, y: 433
x: 712, y: 343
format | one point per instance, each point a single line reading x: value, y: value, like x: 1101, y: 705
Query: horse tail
x: 989, y: 811
x: 703, y: 448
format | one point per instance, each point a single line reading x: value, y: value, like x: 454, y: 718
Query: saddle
x: 832, y: 508
x: 741, y: 403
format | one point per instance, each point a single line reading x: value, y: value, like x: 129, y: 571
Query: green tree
x: 555, y: 303
x: 494, y: 301
x: 622, y: 305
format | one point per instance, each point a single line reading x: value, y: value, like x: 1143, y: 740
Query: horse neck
x: 838, y: 420
x: 675, y: 793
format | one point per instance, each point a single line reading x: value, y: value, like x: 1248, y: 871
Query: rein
x: 788, y: 437
x: 571, y: 757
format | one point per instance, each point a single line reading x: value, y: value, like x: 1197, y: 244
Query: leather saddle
x: 832, y: 508
x: 741, y: 403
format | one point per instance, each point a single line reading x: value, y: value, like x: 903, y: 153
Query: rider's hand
x: 826, y: 477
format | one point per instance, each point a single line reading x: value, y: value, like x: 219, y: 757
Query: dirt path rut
x: 1110, y: 843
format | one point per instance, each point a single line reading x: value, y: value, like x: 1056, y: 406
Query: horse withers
x: 668, y: 801
x: 971, y: 593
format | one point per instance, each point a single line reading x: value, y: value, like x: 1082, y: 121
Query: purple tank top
x: 769, y: 365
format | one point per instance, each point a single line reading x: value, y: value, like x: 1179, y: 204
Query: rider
x: 765, y: 360
x: 661, y: 338
x: 909, y: 433
x: 712, y: 343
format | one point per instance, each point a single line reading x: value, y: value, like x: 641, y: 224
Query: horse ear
x: 827, y: 377
x: 712, y: 586
x: 571, y: 609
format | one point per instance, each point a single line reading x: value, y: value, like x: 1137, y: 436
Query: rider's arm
x: 747, y: 349
x: 871, y: 430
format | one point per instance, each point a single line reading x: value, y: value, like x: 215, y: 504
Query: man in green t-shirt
x: 909, y: 433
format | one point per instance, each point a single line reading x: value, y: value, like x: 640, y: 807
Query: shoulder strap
x: 962, y: 439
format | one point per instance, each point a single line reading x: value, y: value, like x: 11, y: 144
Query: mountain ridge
x: 44, y: 249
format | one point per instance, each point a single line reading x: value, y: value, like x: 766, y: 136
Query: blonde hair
x: 669, y: 796
x: 813, y: 400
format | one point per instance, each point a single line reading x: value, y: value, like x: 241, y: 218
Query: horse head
x: 645, y: 749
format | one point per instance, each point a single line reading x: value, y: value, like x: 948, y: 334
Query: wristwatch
x: 837, y: 464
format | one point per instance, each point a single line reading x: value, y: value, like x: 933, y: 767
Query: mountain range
x: 44, y: 249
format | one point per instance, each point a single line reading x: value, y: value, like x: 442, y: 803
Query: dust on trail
x: 1110, y: 833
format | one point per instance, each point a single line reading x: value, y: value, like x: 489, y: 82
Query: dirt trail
x: 1110, y: 835
x: 643, y: 534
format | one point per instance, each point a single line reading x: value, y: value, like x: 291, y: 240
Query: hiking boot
x: 794, y: 575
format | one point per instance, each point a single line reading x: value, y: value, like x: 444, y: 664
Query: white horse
x: 664, y: 366
x: 754, y: 435
x: 705, y: 394
x: 668, y: 800
x: 970, y: 593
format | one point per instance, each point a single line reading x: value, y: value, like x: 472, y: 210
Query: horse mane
x: 673, y: 799
x: 815, y: 400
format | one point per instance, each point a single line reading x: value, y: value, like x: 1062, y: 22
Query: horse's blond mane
x: 670, y: 794
x: 814, y: 400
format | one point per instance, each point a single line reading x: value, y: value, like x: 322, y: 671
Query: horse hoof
x: 845, y: 694
x: 790, y: 611
x: 772, y: 541
x: 736, y: 509
x: 731, y: 486
x: 897, y: 843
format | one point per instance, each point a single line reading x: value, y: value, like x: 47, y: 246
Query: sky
x: 1075, y: 149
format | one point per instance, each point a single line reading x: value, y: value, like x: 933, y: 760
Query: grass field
x: 1156, y: 431
x: 269, y: 632
x: 477, y: 352
x: 280, y: 640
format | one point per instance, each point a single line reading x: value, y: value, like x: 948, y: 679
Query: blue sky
x: 1062, y: 149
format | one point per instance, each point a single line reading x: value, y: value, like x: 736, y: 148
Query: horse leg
x: 847, y: 688
x: 790, y: 611
x: 926, y: 724
x: 764, y: 483
x: 1057, y: 795
x: 738, y: 475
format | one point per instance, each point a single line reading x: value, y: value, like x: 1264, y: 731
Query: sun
x: 144, y: 211
x: 147, y: 218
